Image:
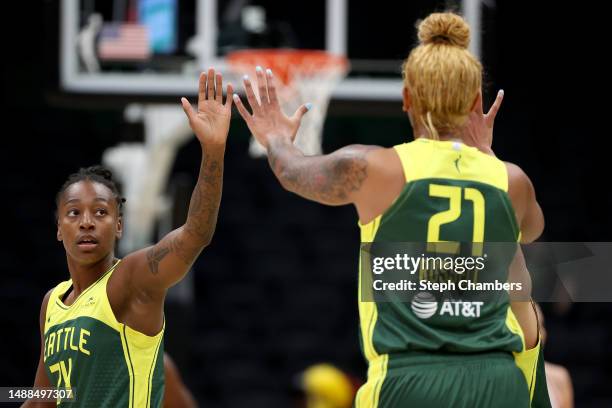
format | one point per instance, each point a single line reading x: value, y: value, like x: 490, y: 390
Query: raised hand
x: 479, y: 129
x: 268, y: 120
x: 211, y: 121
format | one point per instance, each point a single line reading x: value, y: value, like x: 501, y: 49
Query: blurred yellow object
x: 327, y: 387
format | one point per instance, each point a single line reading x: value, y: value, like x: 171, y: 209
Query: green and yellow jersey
x: 106, y: 362
x: 453, y: 193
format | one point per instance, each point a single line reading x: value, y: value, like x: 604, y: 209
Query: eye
x: 101, y: 212
x: 72, y: 212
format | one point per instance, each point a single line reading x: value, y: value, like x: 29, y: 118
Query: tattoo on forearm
x: 188, y: 241
x: 155, y: 256
x: 330, y: 181
x: 185, y: 249
x: 204, y: 205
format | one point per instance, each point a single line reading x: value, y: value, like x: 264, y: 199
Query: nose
x: 86, y: 221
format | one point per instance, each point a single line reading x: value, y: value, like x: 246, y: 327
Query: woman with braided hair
x: 102, y: 330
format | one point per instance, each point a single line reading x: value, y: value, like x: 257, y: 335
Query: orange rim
x: 285, y: 63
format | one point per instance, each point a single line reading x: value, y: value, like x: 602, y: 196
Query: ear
x: 406, y: 99
x: 58, y: 232
x: 477, y: 104
x: 119, y: 232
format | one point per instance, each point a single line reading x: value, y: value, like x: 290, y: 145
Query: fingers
x: 272, y: 95
x: 242, y: 109
x: 188, y: 109
x: 219, y: 87
x: 210, y: 87
x: 229, y: 96
x: 262, y: 86
x: 301, y: 111
x: 201, y: 90
x: 495, y: 107
x: 211, y: 84
x: 248, y: 87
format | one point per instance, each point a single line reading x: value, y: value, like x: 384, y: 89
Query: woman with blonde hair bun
x: 445, y: 187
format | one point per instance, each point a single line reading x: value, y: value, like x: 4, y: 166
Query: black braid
x: 98, y: 174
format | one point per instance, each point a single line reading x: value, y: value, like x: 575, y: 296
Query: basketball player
x: 102, y: 330
x: 448, y: 176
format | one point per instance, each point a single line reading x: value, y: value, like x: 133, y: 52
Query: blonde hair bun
x: 444, y: 28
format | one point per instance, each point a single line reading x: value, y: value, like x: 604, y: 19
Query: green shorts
x: 445, y: 380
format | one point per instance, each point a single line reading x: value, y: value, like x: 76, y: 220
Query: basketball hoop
x: 304, y: 76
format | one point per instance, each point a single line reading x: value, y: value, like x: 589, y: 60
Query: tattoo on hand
x: 155, y: 256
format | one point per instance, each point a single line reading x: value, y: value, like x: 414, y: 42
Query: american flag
x: 124, y: 41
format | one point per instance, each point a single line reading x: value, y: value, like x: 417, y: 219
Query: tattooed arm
x: 367, y: 176
x: 181, y: 247
x: 333, y: 179
x: 148, y: 273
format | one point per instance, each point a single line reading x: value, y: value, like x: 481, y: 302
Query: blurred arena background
x: 276, y: 290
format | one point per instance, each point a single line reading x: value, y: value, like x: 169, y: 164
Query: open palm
x: 268, y: 119
x: 211, y: 121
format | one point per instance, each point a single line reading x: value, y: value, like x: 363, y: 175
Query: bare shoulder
x: 46, y: 298
x: 367, y: 159
x: 517, y: 177
x: 370, y: 160
x: 118, y: 281
x: 515, y: 173
x: 384, y: 184
x: 43, y: 308
x: 519, y: 186
x: 119, y: 288
x: 385, y: 167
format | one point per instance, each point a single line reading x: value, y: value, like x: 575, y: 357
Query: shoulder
x: 518, y: 176
x: 43, y: 308
x: 519, y: 183
x: 45, y: 300
x: 363, y: 159
x: 380, y: 161
x: 514, y: 171
x: 119, y: 286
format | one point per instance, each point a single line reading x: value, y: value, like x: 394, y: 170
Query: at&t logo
x: 424, y: 306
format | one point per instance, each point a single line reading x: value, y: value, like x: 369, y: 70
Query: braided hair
x: 98, y: 174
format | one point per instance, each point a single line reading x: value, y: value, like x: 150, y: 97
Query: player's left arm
x: 334, y: 179
x: 151, y: 271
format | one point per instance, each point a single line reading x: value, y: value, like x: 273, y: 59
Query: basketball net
x: 301, y: 76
